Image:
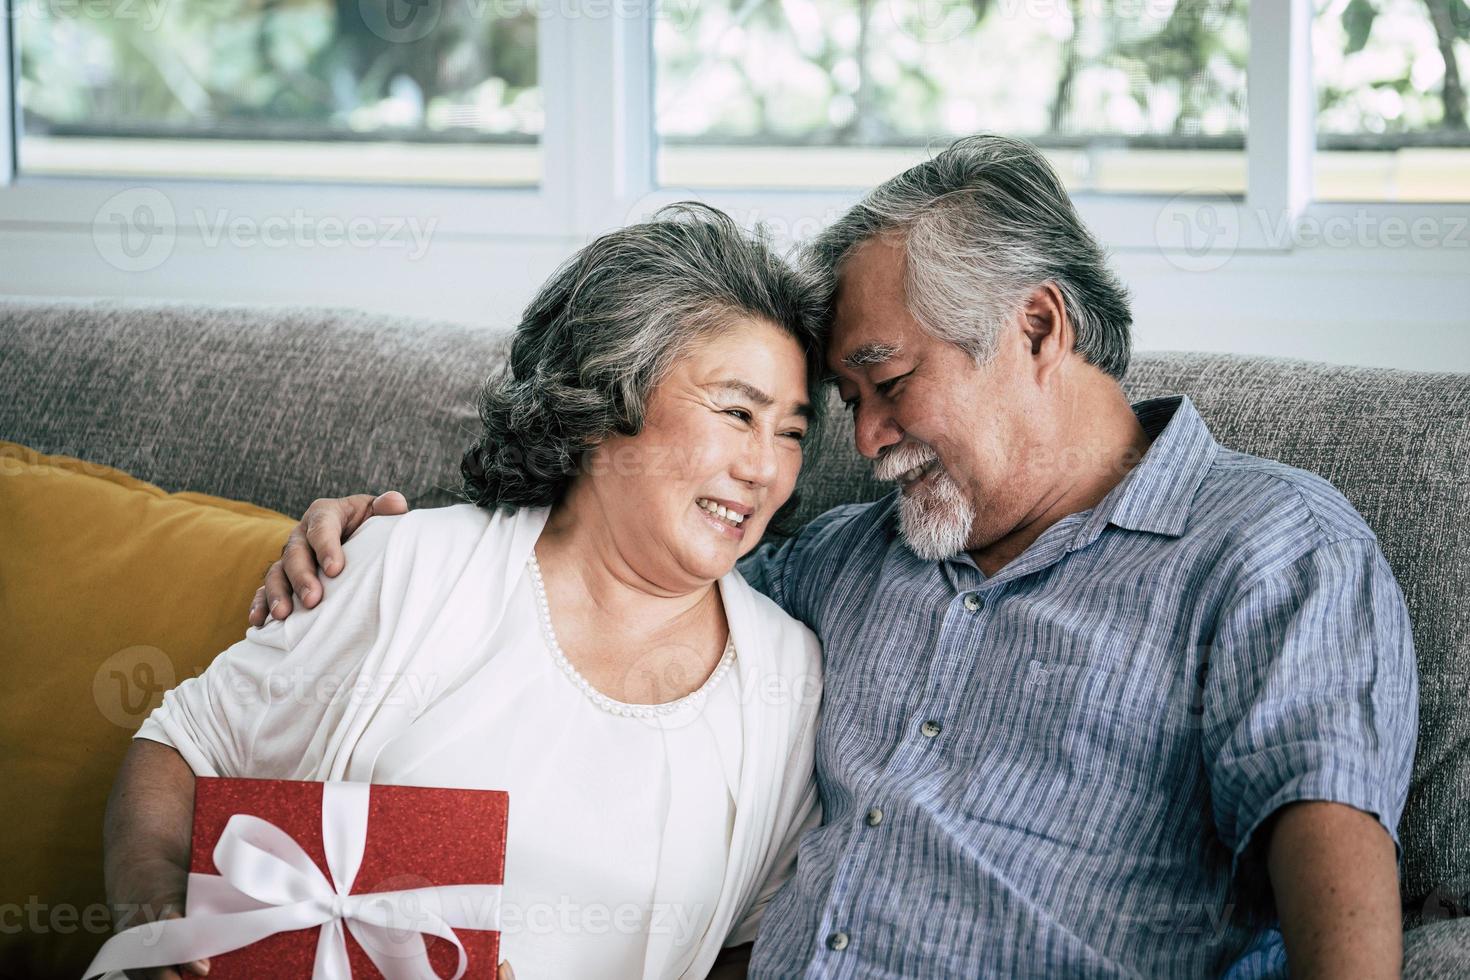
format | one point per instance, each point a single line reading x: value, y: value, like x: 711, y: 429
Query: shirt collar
x: 1156, y: 495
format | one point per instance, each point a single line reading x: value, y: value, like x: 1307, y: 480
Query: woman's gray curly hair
x: 607, y: 328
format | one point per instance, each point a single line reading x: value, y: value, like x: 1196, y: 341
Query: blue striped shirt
x: 1059, y: 770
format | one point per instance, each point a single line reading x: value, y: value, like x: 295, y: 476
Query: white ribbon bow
x: 268, y: 884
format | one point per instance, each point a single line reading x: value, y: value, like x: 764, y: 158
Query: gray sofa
x: 281, y: 406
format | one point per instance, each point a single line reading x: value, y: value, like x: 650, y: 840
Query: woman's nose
x: 758, y: 464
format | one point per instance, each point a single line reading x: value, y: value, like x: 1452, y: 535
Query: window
x: 1391, y: 105
x: 380, y: 91
x: 1125, y: 95
x: 555, y: 119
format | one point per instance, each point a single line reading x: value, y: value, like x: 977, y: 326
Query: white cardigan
x: 417, y: 597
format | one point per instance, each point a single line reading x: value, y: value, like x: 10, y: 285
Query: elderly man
x: 1103, y: 698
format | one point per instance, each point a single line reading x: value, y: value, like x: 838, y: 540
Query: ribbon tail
x: 389, y: 915
x: 331, y: 953
x: 397, y: 957
x: 170, y: 941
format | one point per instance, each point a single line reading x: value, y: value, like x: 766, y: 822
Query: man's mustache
x: 901, y: 458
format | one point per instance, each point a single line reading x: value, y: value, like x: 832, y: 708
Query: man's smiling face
x: 953, y: 433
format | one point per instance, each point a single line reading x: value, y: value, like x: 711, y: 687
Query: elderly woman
x: 575, y: 633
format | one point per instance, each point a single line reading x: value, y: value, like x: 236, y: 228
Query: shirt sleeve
x: 793, y: 572
x: 269, y: 705
x: 1311, y: 694
x: 799, y: 809
x: 762, y: 567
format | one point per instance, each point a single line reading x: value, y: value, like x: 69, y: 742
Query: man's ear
x: 1047, y: 326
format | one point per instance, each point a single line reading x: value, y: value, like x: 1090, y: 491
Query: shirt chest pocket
x: 1106, y: 748
x: 1127, y: 669
x: 1155, y: 693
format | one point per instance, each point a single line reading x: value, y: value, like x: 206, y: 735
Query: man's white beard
x: 935, y: 519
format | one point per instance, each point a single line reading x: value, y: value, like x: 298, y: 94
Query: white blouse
x: 605, y: 805
x: 628, y: 854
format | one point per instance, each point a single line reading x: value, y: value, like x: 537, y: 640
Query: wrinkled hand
x: 167, y: 910
x: 317, y: 539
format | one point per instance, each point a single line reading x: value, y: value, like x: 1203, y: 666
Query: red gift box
x: 331, y: 881
x: 416, y: 837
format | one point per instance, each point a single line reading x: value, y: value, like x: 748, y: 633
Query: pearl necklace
x: 610, y: 705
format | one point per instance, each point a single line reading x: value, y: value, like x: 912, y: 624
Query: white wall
x: 1343, y: 306
x: 1364, y: 303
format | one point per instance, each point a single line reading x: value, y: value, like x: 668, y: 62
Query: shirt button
x: 930, y: 729
x: 875, y: 817
x: 837, y: 941
x: 972, y: 602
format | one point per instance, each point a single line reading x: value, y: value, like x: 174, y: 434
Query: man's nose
x: 873, y: 431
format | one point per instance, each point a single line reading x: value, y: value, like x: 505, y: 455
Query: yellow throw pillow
x: 111, y: 592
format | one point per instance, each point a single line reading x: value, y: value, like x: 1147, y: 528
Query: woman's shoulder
x: 430, y: 531
x: 433, y: 550
x: 447, y: 523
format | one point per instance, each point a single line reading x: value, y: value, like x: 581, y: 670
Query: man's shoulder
x: 820, y: 555
x: 848, y: 525
x: 782, y: 631
x: 1274, y: 511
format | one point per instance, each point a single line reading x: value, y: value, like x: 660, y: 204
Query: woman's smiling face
x: 722, y: 430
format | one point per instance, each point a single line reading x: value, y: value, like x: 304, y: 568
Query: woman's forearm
x: 146, y: 832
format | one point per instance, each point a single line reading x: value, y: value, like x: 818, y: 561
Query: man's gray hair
x: 606, y: 329
x: 982, y: 225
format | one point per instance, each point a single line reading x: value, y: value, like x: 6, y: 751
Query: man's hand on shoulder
x: 317, y: 539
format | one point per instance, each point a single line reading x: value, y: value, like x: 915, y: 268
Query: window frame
x: 9, y: 118
x: 598, y: 146
x: 58, y: 202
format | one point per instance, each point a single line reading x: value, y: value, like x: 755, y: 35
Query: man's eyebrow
x: 869, y: 354
x: 761, y: 399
